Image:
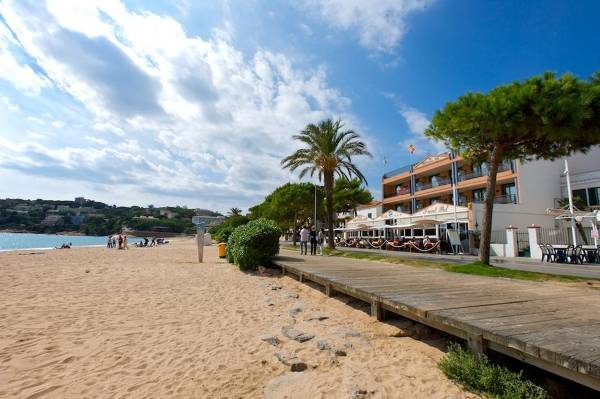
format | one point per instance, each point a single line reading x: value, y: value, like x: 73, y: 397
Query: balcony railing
x: 501, y: 199
x: 438, y: 182
x: 397, y: 172
x: 472, y: 175
x: 400, y: 191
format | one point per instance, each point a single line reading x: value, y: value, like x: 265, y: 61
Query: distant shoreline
x: 59, y: 233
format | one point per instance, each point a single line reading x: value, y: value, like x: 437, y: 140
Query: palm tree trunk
x: 328, y: 180
x: 490, y: 194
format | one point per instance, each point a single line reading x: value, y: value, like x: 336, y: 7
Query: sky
x: 182, y: 102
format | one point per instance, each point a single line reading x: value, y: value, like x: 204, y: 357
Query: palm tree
x: 328, y: 152
x: 235, y: 212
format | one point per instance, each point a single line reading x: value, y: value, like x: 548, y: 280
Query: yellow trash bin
x: 222, y: 250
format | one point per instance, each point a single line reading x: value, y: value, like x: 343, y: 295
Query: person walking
x: 109, y: 243
x: 304, y: 236
x: 313, y: 241
x: 321, y: 240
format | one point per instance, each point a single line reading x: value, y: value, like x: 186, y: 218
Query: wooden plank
x: 557, y: 329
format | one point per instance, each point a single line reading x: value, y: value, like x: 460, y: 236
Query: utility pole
x: 571, y: 211
x: 315, y: 210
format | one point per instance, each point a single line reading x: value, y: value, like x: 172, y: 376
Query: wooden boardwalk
x: 550, y: 326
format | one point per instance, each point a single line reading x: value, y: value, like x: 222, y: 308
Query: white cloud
x: 182, y: 116
x: 417, y: 122
x: 10, y: 105
x: 379, y: 24
x: 22, y: 76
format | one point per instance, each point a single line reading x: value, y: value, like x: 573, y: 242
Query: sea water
x: 11, y: 241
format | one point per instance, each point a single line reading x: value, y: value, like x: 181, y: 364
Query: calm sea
x: 10, y: 241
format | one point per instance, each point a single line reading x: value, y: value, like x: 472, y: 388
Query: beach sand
x: 152, y: 322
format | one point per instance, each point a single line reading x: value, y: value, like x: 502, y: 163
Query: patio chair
x: 569, y: 252
x: 577, y: 255
x: 548, y: 253
x: 555, y: 256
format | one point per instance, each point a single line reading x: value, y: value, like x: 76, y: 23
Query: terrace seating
x: 547, y: 253
x: 578, y: 255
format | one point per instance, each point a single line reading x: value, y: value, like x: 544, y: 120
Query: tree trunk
x: 295, y: 227
x: 328, y: 180
x: 490, y: 194
x: 581, y: 231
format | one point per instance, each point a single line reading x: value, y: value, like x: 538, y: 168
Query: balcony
x: 503, y: 167
x: 437, y: 183
x: 500, y: 199
x: 397, y: 172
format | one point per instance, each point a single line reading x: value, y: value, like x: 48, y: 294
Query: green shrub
x: 253, y: 244
x: 231, y: 243
x: 477, y: 374
x: 222, y: 232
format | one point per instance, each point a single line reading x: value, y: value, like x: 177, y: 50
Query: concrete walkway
x: 525, y: 264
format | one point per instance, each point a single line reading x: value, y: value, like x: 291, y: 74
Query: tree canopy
x: 328, y: 151
x: 348, y: 194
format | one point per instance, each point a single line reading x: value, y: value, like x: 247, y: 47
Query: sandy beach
x: 153, y: 323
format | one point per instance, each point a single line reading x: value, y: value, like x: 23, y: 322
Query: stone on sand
x: 348, y: 332
x: 316, y: 317
x: 270, y: 339
x: 292, y: 361
x: 296, y: 335
x: 297, y: 308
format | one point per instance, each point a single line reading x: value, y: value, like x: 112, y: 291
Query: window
x: 510, y: 192
x: 580, y: 195
x: 594, y: 196
x: 370, y: 215
x: 480, y: 169
x: 479, y: 195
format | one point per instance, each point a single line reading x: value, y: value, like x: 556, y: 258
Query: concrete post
x: 534, y: 242
x: 200, y: 243
x: 512, y: 246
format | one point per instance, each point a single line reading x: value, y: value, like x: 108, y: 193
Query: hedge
x: 253, y: 244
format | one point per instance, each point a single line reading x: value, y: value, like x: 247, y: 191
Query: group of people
x: 151, y: 243
x: 316, y: 238
x: 117, y: 241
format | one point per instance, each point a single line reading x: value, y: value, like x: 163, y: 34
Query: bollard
x: 200, y: 242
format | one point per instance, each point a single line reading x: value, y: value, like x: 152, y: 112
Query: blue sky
x: 194, y: 103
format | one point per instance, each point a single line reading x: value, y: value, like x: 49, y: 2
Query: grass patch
x: 481, y: 269
x: 475, y: 268
x: 477, y: 374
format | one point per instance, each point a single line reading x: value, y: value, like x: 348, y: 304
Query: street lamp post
x: 315, y: 210
x: 571, y: 211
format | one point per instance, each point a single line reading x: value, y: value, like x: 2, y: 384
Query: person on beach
x: 120, y: 241
x: 114, y: 242
x: 313, y: 241
x: 125, y: 242
x: 321, y: 240
x: 109, y: 243
x: 304, y: 236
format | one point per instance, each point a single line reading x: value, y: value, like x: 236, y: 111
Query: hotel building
x: 523, y: 192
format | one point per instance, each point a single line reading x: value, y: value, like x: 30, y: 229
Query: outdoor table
x: 589, y: 250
